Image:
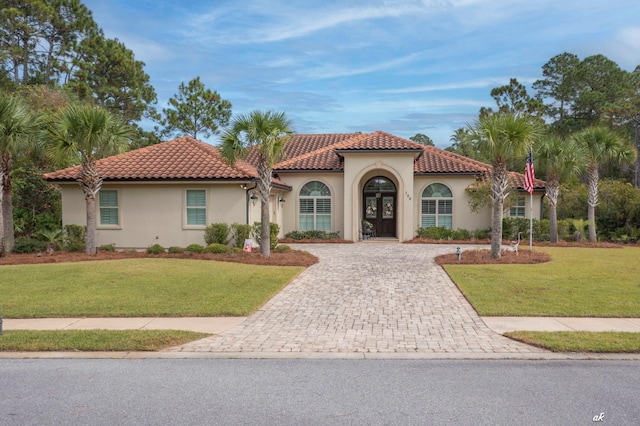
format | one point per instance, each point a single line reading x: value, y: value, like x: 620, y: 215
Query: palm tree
x: 559, y: 159
x: 17, y: 128
x: 502, y: 137
x: 266, y: 133
x: 85, y: 134
x: 600, y: 144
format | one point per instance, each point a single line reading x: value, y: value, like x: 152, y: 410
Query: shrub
x: 312, y: 235
x: 29, y: 245
x: 273, y: 234
x: 282, y: 248
x: 107, y: 247
x: 175, y: 250
x: 194, y: 248
x: 155, y: 249
x: 240, y: 232
x: 217, y: 233
x: 74, y: 237
x: 217, y: 248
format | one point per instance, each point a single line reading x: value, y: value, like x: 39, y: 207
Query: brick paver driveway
x: 366, y: 297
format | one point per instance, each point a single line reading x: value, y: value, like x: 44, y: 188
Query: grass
x: 94, y: 340
x: 581, y: 341
x: 578, y: 282
x: 138, y: 288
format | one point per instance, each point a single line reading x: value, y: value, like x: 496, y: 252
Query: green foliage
x: 74, y: 237
x: 155, y: 249
x: 217, y: 233
x: 175, y: 250
x: 37, y: 204
x: 312, y: 235
x: 440, y: 233
x: 240, y: 232
x: 29, y: 245
x: 273, y: 234
x: 217, y: 248
x: 107, y: 247
x: 513, y: 225
x: 282, y: 248
x: 194, y: 248
x: 422, y: 139
x: 196, y: 110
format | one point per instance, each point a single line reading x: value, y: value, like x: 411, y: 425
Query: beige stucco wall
x: 155, y: 213
x: 358, y: 169
x: 291, y: 206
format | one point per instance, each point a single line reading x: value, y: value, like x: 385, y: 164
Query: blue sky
x: 401, y: 66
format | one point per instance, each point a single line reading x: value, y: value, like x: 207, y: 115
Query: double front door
x: 379, y: 202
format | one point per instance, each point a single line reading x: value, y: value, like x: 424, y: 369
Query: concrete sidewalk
x: 217, y: 325
x: 212, y: 325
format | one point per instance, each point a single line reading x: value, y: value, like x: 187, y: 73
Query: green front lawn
x: 139, y: 288
x: 581, y: 341
x: 94, y: 340
x: 578, y: 282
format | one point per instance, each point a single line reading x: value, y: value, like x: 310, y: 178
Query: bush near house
x: 440, y: 233
x: 257, y: 230
x: 217, y: 233
x: 194, y: 248
x: 74, y: 237
x: 216, y: 248
x: 312, y: 235
x: 240, y: 232
x: 155, y: 249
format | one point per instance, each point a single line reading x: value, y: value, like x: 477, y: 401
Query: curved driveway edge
x: 366, y: 298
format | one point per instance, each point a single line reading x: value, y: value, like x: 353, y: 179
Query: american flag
x: 529, y: 178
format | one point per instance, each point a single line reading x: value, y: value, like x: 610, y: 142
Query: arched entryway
x: 379, y: 205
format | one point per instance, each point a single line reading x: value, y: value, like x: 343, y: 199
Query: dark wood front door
x: 379, y: 202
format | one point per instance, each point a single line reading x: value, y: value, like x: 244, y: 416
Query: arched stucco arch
x: 357, y: 185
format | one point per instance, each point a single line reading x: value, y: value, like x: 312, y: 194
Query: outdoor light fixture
x: 282, y: 200
x: 254, y: 198
x: 458, y: 253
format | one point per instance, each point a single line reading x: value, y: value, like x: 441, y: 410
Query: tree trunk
x: 499, y: 187
x: 264, y: 188
x: 6, y: 208
x: 7, y: 219
x: 2, y: 251
x: 592, y: 199
x: 90, y: 241
x: 552, y: 195
x: 496, y: 229
x: 91, y: 182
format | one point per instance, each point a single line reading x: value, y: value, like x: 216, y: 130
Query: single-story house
x: 167, y: 193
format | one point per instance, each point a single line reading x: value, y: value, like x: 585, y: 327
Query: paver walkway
x: 366, y: 297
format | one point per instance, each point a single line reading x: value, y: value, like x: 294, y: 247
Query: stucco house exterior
x: 167, y: 193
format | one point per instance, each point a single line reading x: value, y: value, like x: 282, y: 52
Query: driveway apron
x: 366, y: 297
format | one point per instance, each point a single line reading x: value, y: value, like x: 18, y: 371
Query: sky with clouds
x: 401, y: 66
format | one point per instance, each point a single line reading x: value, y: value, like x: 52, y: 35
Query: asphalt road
x: 317, y: 392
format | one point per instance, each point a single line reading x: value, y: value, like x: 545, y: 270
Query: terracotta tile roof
x: 518, y: 181
x: 189, y: 159
x: 435, y: 160
x: 182, y: 158
x: 329, y: 156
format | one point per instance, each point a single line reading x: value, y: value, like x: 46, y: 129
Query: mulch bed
x: 483, y: 257
x: 290, y: 258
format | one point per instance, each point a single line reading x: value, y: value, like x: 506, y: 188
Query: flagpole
x: 531, y: 221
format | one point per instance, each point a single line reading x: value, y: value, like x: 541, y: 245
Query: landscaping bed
x: 289, y: 258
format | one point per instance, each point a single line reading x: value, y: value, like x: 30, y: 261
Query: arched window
x: 437, y: 206
x: 315, y: 207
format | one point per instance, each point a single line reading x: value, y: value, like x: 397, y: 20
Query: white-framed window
x: 518, y: 207
x: 436, y: 206
x: 315, y: 207
x: 109, y: 211
x: 196, y: 206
